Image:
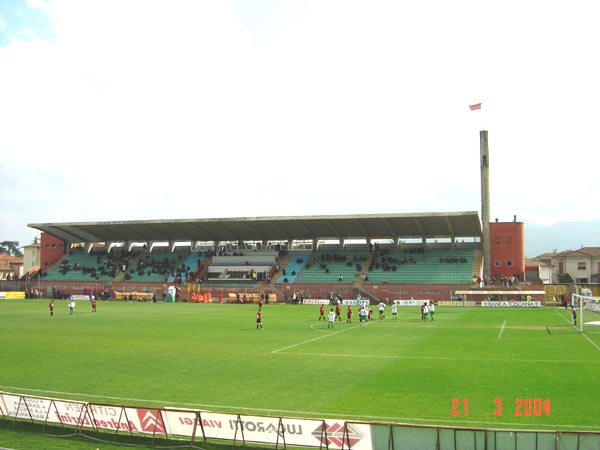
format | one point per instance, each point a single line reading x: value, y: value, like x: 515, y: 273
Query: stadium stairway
x: 364, y: 272
x: 282, y: 262
x: 202, y: 269
x: 370, y: 294
x: 131, y: 268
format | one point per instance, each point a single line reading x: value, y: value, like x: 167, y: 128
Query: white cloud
x: 147, y: 109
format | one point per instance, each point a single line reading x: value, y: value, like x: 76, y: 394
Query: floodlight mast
x: 485, y: 203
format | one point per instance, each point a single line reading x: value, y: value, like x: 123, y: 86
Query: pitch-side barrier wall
x: 179, y: 423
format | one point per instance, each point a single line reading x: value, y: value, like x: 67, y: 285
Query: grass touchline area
x: 211, y: 356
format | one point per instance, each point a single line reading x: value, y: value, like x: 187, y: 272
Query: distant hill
x: 560, y: 236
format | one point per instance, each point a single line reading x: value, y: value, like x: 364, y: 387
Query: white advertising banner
x: 333, y: 434
x: 130, y: 419
x: 81, y: 414
x: 411, y: 302
x: 326, y: 301
x: 21, y: 407
x: 509, y: 304
x: 70, y: 413
x: 271, y: 430
x: 357, y: 302
x: 315, y: 301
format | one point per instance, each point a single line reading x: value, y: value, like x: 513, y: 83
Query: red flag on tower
x: 475, y: 106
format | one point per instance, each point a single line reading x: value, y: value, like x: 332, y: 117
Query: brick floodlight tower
x: 485, y: 202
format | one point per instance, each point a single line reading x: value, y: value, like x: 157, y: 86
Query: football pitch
x: 471, y: 367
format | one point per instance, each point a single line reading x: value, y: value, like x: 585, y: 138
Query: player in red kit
x: 338, y: 312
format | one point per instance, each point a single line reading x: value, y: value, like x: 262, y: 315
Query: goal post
x: 587, y: 307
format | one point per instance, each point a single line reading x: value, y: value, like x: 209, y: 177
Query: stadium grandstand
x: 376, y: 256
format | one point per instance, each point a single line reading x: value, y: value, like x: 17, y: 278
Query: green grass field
x: 472, y: 367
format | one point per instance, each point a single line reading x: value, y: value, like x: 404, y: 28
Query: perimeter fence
x: 280, y: 432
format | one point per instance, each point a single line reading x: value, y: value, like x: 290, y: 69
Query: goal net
x: 588, y: 309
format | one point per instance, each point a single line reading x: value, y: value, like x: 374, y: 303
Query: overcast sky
x: 117, y: 110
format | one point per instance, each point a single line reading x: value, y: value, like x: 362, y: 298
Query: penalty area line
x: 311, y: 340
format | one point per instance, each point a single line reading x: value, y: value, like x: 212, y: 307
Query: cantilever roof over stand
x: 373, y: 226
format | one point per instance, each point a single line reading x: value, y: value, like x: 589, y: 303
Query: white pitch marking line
x: 583, y: 334
x: 438, y: 358
x: 311, y: 340
x: 502, y: 329
x: 591, y: 342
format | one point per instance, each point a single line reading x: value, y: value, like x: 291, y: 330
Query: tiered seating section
x: 393, y: 265
x: 331, y: 266
x: 415, y: 265
x: 122, y: 265
x: 292, y: 270
x: 405, y: 265
x: 80, y: 265
x: 164, y: 266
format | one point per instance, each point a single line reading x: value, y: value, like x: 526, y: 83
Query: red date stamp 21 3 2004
x: 522, y: 407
